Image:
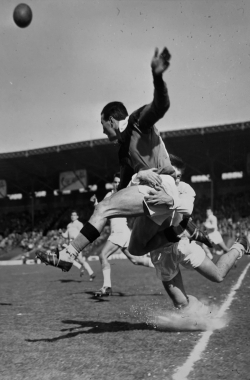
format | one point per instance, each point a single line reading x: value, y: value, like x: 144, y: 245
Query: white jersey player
x: 118, y: 240
x: 211, y: 226
x: 167, y: 260
x: 70, y: 234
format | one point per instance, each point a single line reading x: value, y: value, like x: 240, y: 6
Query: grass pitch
x: 53, y: 328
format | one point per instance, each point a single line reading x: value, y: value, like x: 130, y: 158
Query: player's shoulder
x: 185, y: 188
x: 134, y: 118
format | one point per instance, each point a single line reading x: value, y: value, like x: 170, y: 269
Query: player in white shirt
x: 167, y: 260
x: 190, y: 255
x: 211, y: 225
x: 70, y: 234
x: 173, y: 254
x: 118, y: 240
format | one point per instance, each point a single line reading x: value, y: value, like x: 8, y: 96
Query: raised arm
x: 156, y: 110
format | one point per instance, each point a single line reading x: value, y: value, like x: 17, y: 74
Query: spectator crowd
x: 232, y: 211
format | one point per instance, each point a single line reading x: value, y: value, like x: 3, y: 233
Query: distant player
x: 211, y: 226
x: 73, y: 229
x: 117, y: 241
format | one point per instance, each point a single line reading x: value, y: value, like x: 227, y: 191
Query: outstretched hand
x: 160, y: 61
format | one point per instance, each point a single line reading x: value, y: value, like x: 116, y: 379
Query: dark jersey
x: 141, y: 146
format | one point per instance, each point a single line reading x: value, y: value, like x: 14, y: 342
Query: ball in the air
x: 22, y: 15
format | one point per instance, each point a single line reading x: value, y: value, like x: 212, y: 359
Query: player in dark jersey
x: 141, y: 147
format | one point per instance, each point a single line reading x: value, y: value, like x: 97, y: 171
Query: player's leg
x: 86, y: 266
x: 77, y: 265
x: 148, y: 235
x: 108, y: 250
x: 217, y: 272
x: 124, y: 203
x: 176, y: 291
x: 192, y: 255
x: 144, y: 236
x: 144, y: 260
x: 167, y: 269
x: 188, y: 228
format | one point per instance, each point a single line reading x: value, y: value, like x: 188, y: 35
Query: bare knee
x: 213, y: 275
x: 218, y: 278
x: 104, y: 262
x: 103, y: 257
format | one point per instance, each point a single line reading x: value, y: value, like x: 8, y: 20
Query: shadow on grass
x: 5, y: 304
x: 115, y: 294
x: 120, y: 294
x: 65, y: 281
x: 94, y: 327
x: 105, y: 298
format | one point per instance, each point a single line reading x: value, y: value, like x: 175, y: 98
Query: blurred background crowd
x: 232, y: 211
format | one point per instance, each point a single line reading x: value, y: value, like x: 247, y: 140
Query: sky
x: 77, y: 55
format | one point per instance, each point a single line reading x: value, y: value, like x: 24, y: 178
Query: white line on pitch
x: 183, y: 371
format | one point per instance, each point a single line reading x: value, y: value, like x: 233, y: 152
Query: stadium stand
x: 208, y: 151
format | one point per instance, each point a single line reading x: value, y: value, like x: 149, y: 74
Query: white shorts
x: 188, y: 254
x: 216, y: 237
x: 162, y: 212
x: 120, y: 238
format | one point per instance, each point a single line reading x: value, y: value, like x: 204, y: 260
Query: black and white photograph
x: 124, y: 189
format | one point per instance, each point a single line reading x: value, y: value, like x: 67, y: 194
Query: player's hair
x: 117, y: 175
x: 115, y: 109
x: 209, y: 208
x: 177, y: 162
x: 74, y: 211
